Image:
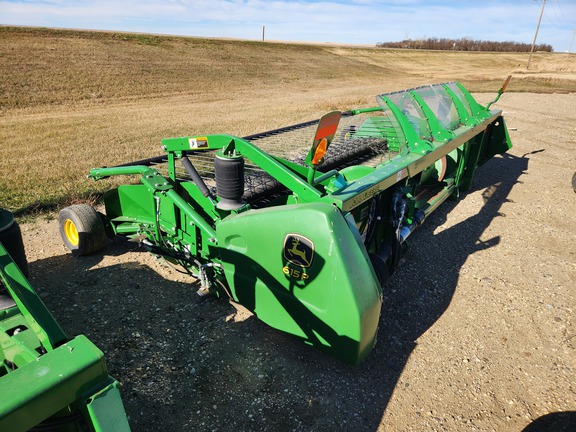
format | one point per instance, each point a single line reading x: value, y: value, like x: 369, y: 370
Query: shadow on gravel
x: 553, y: 422
x: 187, y: 363
x: 420, y: 292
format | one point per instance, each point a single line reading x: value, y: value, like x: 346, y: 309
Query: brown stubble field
x: 71, y: 100
x: 477, y: 328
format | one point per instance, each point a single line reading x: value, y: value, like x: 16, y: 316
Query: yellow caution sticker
x: 198, y: 143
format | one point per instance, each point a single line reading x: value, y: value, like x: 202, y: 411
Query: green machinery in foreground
x: 47, y: 380
x: 303, y: 236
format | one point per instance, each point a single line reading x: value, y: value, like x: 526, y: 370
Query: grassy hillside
x: 72, y: 100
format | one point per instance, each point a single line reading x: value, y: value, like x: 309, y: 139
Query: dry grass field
x: 71, y: 100
x: 477, y: 326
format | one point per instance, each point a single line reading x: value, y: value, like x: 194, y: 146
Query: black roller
x: 380, y: 268
x: 229, y: 174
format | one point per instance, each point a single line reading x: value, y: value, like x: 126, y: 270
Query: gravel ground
x: 477, y: 328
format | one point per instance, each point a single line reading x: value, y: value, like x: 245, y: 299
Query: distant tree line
x: 463, y: 44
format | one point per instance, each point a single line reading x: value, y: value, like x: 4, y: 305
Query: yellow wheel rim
x: 71, y: 232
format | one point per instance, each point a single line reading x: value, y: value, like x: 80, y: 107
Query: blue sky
x: 350, y: 21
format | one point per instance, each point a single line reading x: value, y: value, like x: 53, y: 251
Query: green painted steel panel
x: 55, y: 380
x: 106, y: 411
x: 303, y: 269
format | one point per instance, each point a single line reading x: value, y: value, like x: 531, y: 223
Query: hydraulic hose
x: 193, y: 173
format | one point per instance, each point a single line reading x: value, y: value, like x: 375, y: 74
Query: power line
x: 561, y: 21
x: 568, y: 19
x: 573, y: 37
x: 557, y: 10
x: 558, y: 20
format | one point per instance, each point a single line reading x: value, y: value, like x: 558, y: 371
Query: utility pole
x: 573, y: 37
x: 536, y: 35
x: 263, y: 32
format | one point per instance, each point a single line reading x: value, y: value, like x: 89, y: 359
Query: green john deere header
x: 303, y: 225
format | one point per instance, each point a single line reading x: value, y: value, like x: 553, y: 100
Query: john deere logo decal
x: 298, y: 250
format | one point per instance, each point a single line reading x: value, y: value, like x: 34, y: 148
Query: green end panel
x: 43, y: 387
x: 135, y: 202
x: 301, y: 269
x: 106, y: 411
x: 494, y: 140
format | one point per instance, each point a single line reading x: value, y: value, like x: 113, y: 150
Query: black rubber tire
x: 574, y: 182
x: 82, y: 229
x: 11, y: 239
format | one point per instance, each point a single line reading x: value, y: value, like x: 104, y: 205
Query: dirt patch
x: 477, y: 328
